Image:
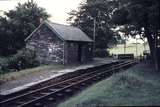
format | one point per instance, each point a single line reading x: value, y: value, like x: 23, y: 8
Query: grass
x: 12, y: 75
x: 131, y: 48
x: 18, y: 74
x: 42, y: 68
x: 138, y: 86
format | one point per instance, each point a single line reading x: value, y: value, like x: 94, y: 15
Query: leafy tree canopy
x: 98, y: 10
x: 18, y: 24
x: 140, y: 17
x: 144, y: 17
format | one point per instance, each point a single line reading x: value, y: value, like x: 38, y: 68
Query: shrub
x: 101, y: 53
x: 22, y: 60
x: 3, y: 65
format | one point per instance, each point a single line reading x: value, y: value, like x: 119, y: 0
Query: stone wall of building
x: 72, y: 53
x: 48, y: 47
x: 87, y: 53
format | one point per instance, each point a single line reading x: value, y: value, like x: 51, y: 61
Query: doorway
x: 79, y: 53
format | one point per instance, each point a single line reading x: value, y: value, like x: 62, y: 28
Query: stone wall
x: 48, y: 47
x: 87, y: 53
x: 72, y: 52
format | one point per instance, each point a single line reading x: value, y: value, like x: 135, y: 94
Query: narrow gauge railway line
x: 56, y: 80
x: 56, y: 92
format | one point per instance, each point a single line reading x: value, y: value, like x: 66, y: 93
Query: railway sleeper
x: 51, y: 99
x: 20, y: 102
x: 66, y: 84
x: 38, y: 104
x: 76, y: 87
x: 73, y: 81
x: 98, y: 77
x: 54, y: 89
x: 95, y: 79
x: 63, y: 85
x: 58, y: 87
x: 59, y: 94
x: 35, y: 97
x: 68, y: 90
x: 45, y: 93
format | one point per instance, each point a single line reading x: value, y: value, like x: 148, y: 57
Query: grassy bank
x: 138, y: 86
x: 130, y: 48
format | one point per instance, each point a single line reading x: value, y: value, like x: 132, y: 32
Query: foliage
x: 7, y: 39
x: 17, y: 25
x: 143, y: 16
x: 22, y: 60
x: 101, y: 53
x: 98, y: 10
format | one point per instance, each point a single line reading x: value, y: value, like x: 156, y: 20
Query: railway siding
x: 32, y: 79
x: 60, y: 90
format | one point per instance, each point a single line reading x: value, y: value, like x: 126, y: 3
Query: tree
x: 142, y: 14
x: 99, y: 11
x: 18, y: 24
x: 6, y: 37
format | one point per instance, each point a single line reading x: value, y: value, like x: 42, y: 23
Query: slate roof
x: 66, y: 33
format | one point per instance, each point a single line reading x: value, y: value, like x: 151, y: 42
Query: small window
x: 50, y: 50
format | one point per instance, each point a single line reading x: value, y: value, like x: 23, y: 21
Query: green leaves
x: 18, y: 24
x: 99, y: 10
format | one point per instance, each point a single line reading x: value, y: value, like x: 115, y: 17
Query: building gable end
x: 39, y: 28
x: 54, y: 31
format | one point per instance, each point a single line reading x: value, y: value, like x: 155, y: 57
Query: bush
x: 22, y: 60
x: 101, y: 53
x: 158, y: 51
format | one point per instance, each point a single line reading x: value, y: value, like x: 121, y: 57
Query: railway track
x: 53, y: 93
x: 56, y: 80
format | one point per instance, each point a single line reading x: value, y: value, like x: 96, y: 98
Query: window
x: 51, y: 48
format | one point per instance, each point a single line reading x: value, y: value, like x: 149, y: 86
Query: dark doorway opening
x: 79, y: 53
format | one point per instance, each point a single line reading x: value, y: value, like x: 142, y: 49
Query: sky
x: 58, y: 9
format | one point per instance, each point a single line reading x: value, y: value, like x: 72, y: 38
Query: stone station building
x: 56, y: 43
